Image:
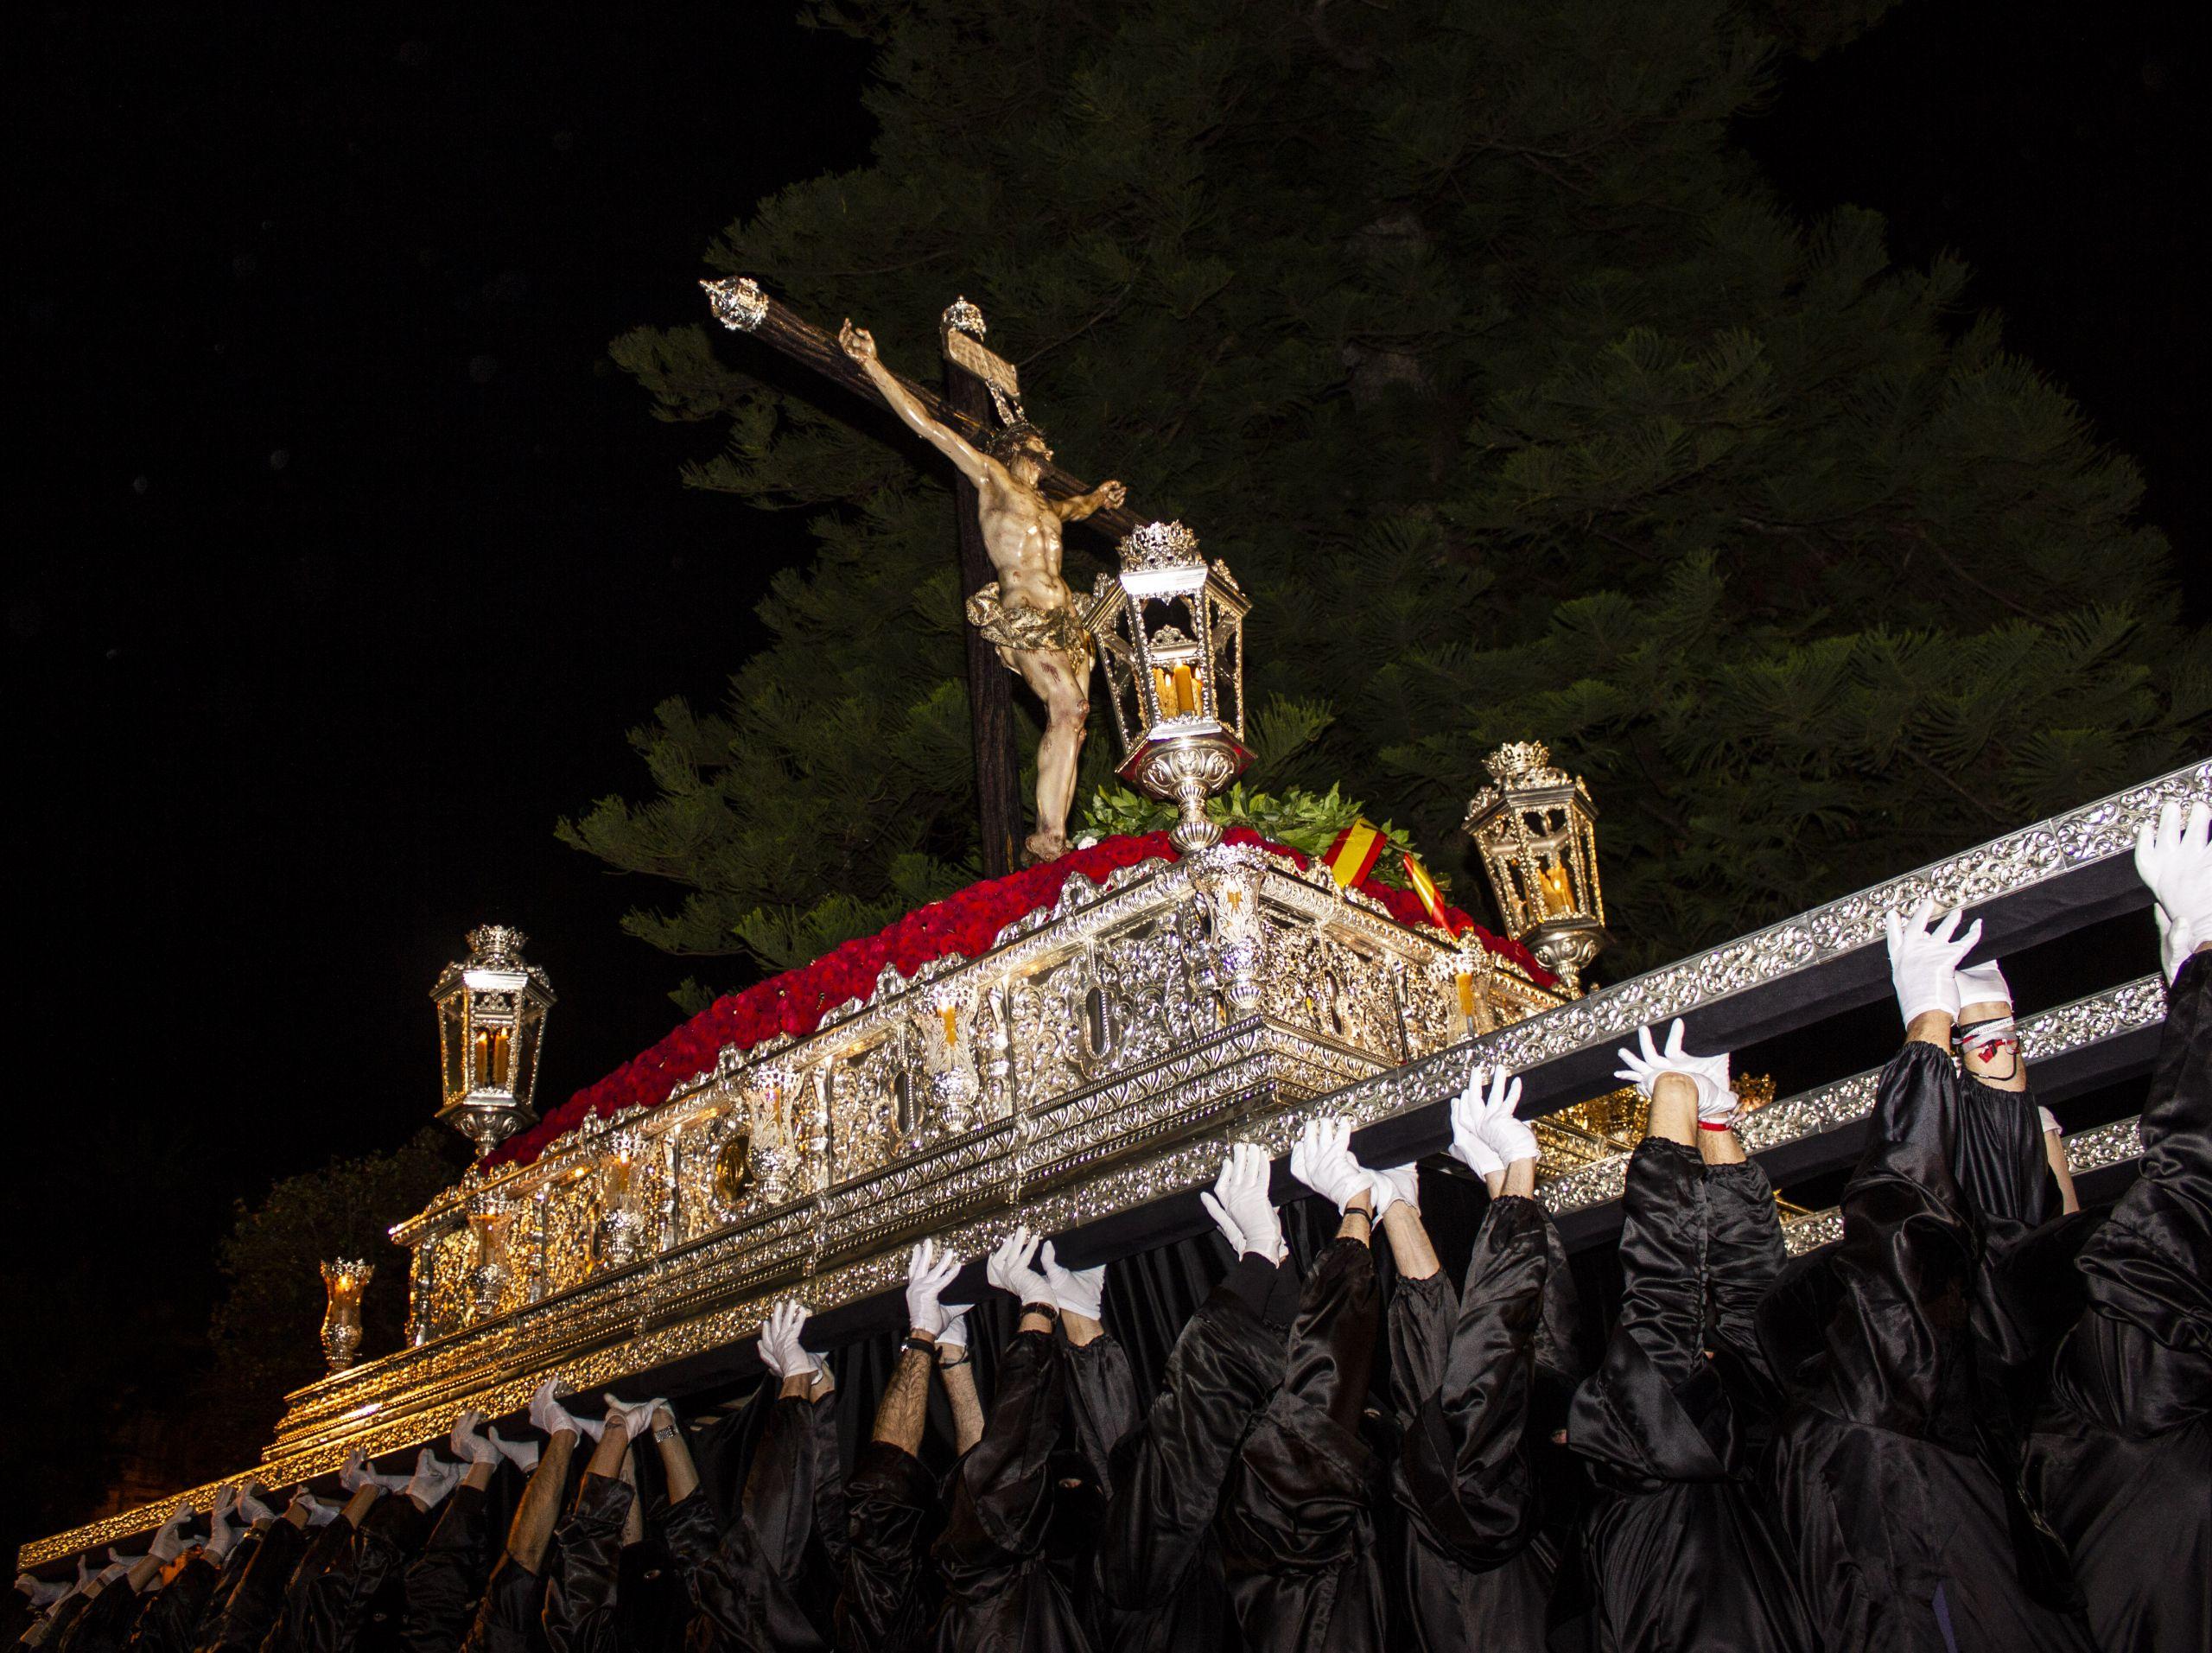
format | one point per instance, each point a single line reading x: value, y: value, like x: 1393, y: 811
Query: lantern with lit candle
x: 1171, y: 629
x: 1537, y: 831
x: 491, y: 1008
x: 344, y: 1280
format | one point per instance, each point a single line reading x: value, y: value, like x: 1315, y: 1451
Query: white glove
x: 251, y: 1506
x: 1077, y: 1291
x: 468, y: 1445
x: 523, y: 1454
x: 355, y: 1473
x: 1503, y: 1130
x: 1399, y: 1186
x: 928, y: 1272
x: 1469, y: 1146
x: 1323, y: 1160
x: 2176, y: 943
x: 635, y: 1417
x: 221, y: 1534
x: 40, y: 1594
x: 1240, y: 1207
x: 85, y: 1575
x: 547, y: 1413
x: 317, y: 1513
x: 780, y: 1350
x: 1010, y: 1269
x: 116, y: 1568
x: 2175, y: 859
x: 2049, y: 1120
x: 1983, y: 984
x: 1716, y: 1098
x: 1924, y: 961
x: 169, y: 1541
x: 433, y: 1478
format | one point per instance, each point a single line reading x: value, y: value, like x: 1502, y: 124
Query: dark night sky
x: 343, y: 557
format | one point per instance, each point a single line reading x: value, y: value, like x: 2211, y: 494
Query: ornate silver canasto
x: 1111, y: 1061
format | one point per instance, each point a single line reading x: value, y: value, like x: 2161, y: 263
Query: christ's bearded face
x: 1028, y: 460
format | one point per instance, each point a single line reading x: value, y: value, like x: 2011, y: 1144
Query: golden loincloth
x: 1017, y: 626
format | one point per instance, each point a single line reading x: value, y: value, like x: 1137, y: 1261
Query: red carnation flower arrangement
x: 967, y: 924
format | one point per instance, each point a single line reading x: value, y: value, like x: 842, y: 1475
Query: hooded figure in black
x: 1464, y: 1375
x: 1004, y: 1588
x: 1907, y: 1537
x: 1156, y: 1583
x: 1296, y: 1526
x: 2119, y: 1463
x: 767, y: 1581
x: 352, y: 1593
x: 1680, y: 1547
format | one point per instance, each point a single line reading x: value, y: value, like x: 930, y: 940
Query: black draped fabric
x: 1679, y: 1547
x: 232, y: 1570
x: 1002, y: 1590
x: 2119, y: 1463
x: 1463, y: 1374
x: 888, y: 1600
x: 105, y: 1625
x: 171, y: 1619
x: 66, y: 1612
x: 579, y: 1615
x: 254, y: 1602
x: 506, y: 1619
x: 1904, y: 1537
x: 748, y: 1585
x: 325, y: 1547
x: 1297, y: 1525
x: 441, y: 1585
x: 1156, y: 1583
x: 356, y: 1601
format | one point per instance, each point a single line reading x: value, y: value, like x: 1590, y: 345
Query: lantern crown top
x: 1523, y: 763
x: 1160, y: 545
x: 963, y: 317
x: 497, y: 945
x: 348, y: 1269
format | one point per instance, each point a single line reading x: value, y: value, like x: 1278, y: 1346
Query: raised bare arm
x: 857, y: 344
x: 1107, y: 496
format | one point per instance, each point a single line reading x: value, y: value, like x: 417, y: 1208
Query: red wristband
x: 1709, y: 1125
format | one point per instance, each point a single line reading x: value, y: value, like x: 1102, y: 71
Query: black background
x: 342, y: 558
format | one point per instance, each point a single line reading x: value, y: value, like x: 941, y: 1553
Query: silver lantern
x: 492, y: 1009
x: 1537, y: 831
x: 1171, y: 629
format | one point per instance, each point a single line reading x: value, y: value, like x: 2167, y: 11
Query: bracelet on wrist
x: 1716, y: 1125
x: 945, y: 1365
x: 1050, y: 1311
x: 911, y: 1344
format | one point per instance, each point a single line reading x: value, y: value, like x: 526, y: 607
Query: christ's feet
x: 1041, y: 846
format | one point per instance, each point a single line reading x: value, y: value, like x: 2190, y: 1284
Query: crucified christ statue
x: 1028, y: 612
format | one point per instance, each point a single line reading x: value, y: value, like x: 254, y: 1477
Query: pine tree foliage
x: 1464, y: 332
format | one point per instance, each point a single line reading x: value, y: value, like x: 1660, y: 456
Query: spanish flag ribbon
x: 1425, y: 887
x: 1354, y: 854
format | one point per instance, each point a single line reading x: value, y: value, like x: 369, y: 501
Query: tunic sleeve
x: 580, y: 1599
x: 1001, y: 1490
x: 441, y: 1584
x: 1461, y: 1473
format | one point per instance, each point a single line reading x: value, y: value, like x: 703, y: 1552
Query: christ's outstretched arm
x: 860, y: 346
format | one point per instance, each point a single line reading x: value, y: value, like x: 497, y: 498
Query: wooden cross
x: 966, y: 407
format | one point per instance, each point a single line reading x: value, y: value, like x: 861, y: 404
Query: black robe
x: 106, y: 1624
x: 170, y: 1622
x: 1297, y: 1526
x: 762, y: 1583
x: 580, y: 1588
x: 231, y: 1572
x: 254, y: 1602
x: 1155, y: 1582
x: 66, y: 1613
x: 1905, y: 1537
x: 441, y: 1585
x: 508, y: 1619
x: 1462, y: 1375
x: 2119, y: 1463
x: 887, y: 1600
x: 356, y: 1601
x: 1679, y: 1546
x: 1002, y: 1591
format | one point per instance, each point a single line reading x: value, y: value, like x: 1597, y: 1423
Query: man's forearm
x: 959, y: 1381
x: 532, y: 1531
x: 906, y: 1402
x: 1409, y: 1242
